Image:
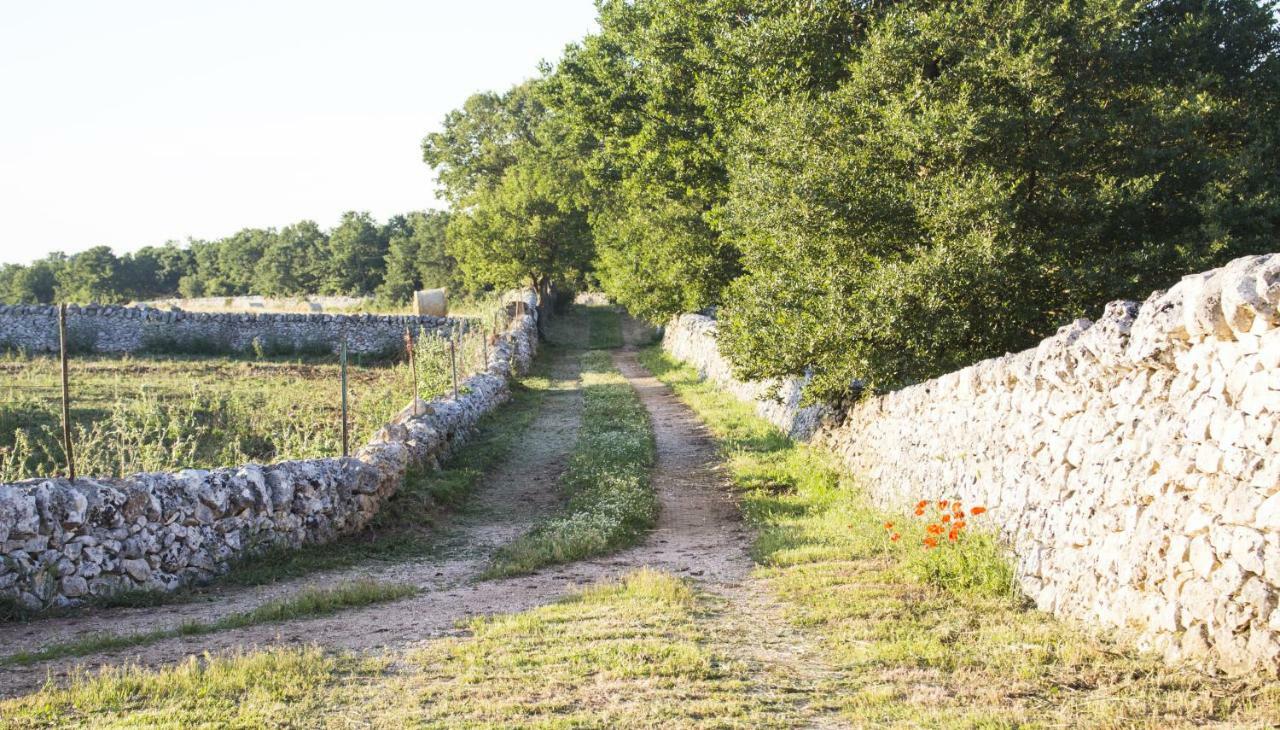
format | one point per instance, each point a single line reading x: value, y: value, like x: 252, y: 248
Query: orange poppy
x: 888, y: 525
x: 942, y: 504
x: 895, y: 537
x: 931, y: 542
x: 934, y: 529
x: 946, y: 518
x: 977, y: 510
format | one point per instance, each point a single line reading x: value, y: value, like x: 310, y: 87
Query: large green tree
x: 986, y: 171
x: 508, y: 165
x: 356, y: 249
x: 416, y: 256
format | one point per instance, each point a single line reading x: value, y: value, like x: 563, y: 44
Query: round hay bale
x: 432, y: 302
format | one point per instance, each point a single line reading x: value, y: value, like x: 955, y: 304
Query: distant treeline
x: 358, y: 256
x: 881, y: 190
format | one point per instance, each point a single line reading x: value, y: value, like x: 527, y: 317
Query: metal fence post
x: 453, y: 364
x: 66, y: 393
x: 342, y: 358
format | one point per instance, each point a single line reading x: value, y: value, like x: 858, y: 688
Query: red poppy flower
x: 895, y: 537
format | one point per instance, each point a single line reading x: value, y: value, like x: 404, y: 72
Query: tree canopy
x: 359, y: 256
x: 880, y: 191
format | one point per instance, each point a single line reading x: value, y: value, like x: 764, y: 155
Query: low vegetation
x: 160, y: 413
x: 405, y: 528
x: 309, y: 603
x: 636, y: 653
x: 609, y: 500
x: 935, y: 637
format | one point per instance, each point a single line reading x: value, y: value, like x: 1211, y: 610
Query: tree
x: 651, y: 153
x: 416, y: 257
x: 356, y: 251
x: 294, y: 261
x: 90, y: 276
x: 519, y: 217
x: 988, y: 171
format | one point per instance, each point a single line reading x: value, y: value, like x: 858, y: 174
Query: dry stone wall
x: 110, y: 328
x: 1130, y: 464
x: 692, y: 339
x: 63, y: 542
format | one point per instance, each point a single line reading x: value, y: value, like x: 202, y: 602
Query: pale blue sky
x: 128, y: 123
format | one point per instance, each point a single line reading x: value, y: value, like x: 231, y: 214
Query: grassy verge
x: 936, y: 638
x: 604, y: 327
x: 306, y: 604
x: 634, y: 653
x: 610, y: 500
x: 403, y: 529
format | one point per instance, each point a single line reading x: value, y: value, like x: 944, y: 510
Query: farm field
x: 158, y: 413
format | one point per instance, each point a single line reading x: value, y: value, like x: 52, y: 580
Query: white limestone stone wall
x: 692, y: 339
x: 1130, y: 464
x: 111, y: 328
x: 62, y: 542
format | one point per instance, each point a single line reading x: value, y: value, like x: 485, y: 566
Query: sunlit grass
x: 308, y: 603
x: 609, y: 501
x: 936, y: 638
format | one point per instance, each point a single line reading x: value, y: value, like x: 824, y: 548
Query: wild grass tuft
x: 610, y: 502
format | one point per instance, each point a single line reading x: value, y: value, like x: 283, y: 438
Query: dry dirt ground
x: 699, y: 536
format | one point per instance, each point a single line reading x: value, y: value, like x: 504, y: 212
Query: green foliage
x: 610, y: 500
x: 988, y: 171
x: 652, y: 155
x: 506, y: 164
x: 416, y: 257
x: 357, y: 257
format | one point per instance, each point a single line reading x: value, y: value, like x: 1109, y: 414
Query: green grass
x: 309, y: 603
x: 935, y: 638
x: 150, y: 413
x: 610, y: 502
x: 640, y: 652
x: 604, y: 327
x: 404, y: 529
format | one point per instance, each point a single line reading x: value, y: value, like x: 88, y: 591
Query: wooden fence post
x: 413, y: 367
x: 342, y: 359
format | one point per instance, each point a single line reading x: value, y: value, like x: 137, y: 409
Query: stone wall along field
x: 95, y: 328
x: 1130, y: 464
x: 62, y: 542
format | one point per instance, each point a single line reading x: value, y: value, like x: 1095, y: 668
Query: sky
x: 130, y: 123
